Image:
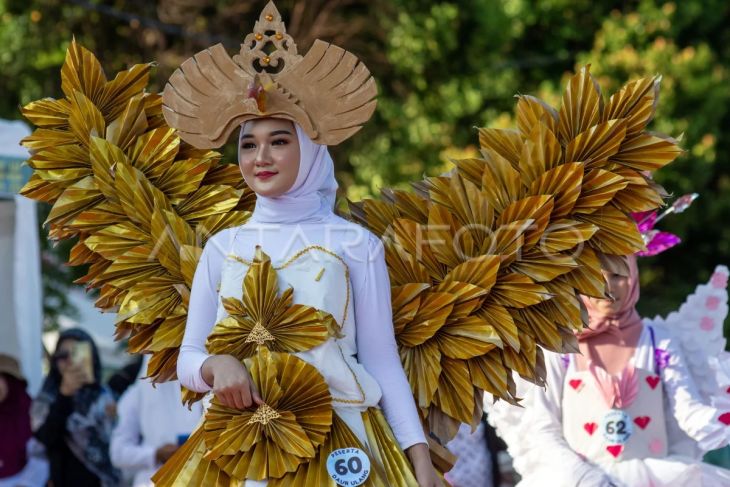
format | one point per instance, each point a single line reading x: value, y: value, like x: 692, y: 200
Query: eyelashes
x: 275, y: 142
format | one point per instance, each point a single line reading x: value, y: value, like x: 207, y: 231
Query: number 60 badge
x: 348, y: 466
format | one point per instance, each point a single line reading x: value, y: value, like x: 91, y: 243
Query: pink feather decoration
x: 657, y: 242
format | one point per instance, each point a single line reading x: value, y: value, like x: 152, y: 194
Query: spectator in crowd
x: 74, y: 414
x: 125, y: 377
x: 21, y: 458
x: 152, y: 424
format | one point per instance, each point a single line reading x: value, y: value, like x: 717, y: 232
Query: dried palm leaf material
x: 262, y: 317
x: 487, y: 261
x: 268, y: 441
x: 385, y: 451
x: 189, y: 467
x: 140, y: 200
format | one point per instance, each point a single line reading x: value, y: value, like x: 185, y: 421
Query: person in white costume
x: 331, y: 264
x: 151, y: 422
x: 473, y: 467
x: 642, y: 404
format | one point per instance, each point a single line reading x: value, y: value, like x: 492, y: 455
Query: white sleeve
x: 202, y: 312
x: 545, y: 419
x: 126, y: 449
x: 36, y: 470
x: 376, y: 347
x: 699, y: 420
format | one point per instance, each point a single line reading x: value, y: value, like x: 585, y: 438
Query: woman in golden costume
x: 335, y: 354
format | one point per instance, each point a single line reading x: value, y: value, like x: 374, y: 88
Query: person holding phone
x: 152, y: 424
x: 74, y: 414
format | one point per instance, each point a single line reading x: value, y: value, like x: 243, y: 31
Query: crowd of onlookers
x: 80, y: 431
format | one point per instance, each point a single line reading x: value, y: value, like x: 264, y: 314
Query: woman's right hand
x: 73, y: 378
x: 231, y: 382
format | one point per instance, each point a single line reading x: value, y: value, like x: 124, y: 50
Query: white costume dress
x: 333, y: 265
x: 353, y: 284
x: 473, y: 467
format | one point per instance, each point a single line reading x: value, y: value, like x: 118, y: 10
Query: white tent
x: 21, y: 307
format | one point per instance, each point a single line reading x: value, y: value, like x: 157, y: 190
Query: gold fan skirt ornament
x: 264, y: 441
x: 278, y: 435
x: 285, y: 440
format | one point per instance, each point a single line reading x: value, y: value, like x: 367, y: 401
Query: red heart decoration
x: 575, y: 383
x: 724, y: 418
x: 590, y: 428
x: 727, y: 390
x: 615, y: 450
x: 652, y: 380
x: 642, y: 421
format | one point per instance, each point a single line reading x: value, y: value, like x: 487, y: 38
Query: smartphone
x: 81, y: 355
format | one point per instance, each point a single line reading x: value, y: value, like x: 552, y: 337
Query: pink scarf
x: 609, y: 333
x: 618, y: 392
x: 618, y: 322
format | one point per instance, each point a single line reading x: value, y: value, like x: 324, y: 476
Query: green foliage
x: 444, y: 67
x: 678, y: 42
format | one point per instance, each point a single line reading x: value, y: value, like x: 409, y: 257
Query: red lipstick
x: 265, y: 174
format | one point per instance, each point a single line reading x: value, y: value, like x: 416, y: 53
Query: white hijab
x: 312, y: 197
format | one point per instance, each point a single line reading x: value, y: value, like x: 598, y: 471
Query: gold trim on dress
x: 299, y: 254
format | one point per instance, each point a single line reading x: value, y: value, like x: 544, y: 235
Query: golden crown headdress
x: 328, y: 92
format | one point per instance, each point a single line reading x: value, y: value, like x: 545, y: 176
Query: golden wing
x: 141, y: 201
x: 486, y: 263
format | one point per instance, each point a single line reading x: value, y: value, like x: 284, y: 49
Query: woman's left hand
x: 423, y: 468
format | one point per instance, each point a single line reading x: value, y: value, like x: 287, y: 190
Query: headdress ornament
x: 328, y: 91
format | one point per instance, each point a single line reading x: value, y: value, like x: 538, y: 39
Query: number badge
x: 617, y: 427
x: 348, y: 466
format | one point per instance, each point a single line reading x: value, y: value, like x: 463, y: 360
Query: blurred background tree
x: 443, y: 67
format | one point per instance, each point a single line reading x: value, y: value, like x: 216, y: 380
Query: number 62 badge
x: 348, y: 466
x: 616, y: 427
